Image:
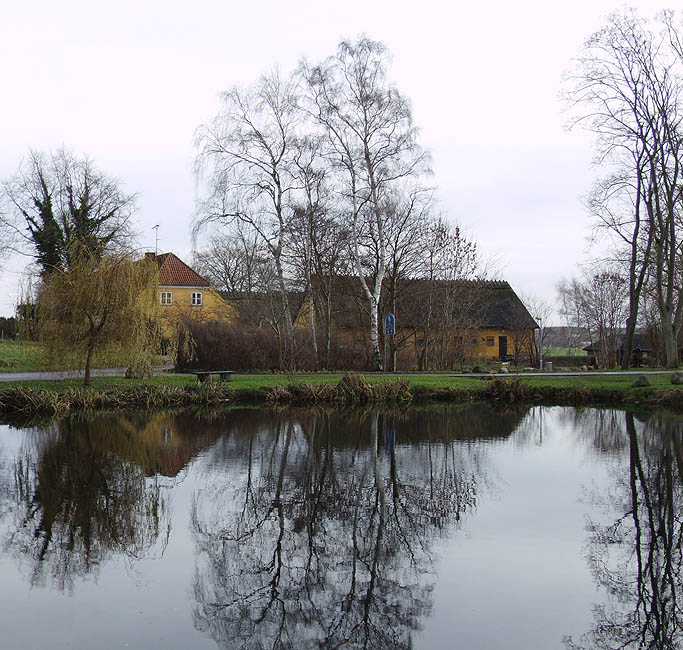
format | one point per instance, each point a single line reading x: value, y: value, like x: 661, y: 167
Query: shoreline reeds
x: 351, y: 391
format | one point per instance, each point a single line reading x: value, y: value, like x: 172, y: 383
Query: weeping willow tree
x: 98, y: 302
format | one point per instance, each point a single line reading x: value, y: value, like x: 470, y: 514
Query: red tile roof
x: 173, y: 272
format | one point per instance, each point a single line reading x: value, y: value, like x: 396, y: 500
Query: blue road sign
x: 389, y: 324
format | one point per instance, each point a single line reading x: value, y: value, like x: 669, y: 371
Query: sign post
x: 389, y: 330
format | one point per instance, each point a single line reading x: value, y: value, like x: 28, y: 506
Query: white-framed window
x: 196, y: 298
x: 166, y: 297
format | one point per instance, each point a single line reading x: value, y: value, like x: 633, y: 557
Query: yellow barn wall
x: 477, y: 346
x: 213, y: 307
x: 474, y: 340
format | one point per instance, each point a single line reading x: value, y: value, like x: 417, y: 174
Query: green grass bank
x: 26, y: 399
x: 29, y: 356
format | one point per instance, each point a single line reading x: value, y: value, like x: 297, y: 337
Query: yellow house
x: 182, y: 292
x: 437, y: 322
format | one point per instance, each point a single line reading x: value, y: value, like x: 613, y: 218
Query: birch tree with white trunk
x: 371, y: 141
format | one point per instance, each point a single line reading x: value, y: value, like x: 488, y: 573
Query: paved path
x: 61, y: 374
x: 554, y: 373
x: 121, y: 372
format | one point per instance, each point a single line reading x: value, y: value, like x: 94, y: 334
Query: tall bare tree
x: 372, y: 142
x: 311, y: 220
x: 246, y: 154
x: 627, y: 89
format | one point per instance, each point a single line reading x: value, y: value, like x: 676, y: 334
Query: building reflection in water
x: 86, y: 490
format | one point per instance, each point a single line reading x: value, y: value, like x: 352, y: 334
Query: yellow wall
x: 482, y: 348
x: 213, y: 307
x: 475, y: 342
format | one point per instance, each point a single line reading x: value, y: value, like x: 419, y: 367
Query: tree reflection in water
x: 636, y: 555
x: 81, y: 494
x: 323, y: 537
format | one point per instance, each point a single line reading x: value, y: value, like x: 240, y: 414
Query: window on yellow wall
x: 196, y: 298
x: 166, y: 297
x: 490, y: 341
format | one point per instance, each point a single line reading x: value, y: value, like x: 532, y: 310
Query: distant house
x: 183, y: 292
x: 641, y: 356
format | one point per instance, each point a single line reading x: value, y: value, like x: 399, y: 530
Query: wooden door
x: 502, y: 347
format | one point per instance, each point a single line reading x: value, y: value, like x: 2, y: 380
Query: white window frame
x: 166, y: 298
x: 196, y: 299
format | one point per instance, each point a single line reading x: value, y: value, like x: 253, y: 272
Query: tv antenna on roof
x: 156, y: 239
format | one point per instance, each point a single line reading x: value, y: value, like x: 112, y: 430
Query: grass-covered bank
x: 57, y: 398
x: 30, y: 356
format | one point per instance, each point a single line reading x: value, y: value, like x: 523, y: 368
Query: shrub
x: 213, y: 345
x: 222, y: 346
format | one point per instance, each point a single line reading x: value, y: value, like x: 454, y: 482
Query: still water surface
x: 454, y: 527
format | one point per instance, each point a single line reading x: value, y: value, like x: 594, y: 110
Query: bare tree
x: 599, y: 303
x: 60, y: 206
x: 372, y: 142
x: 311, y: 221
x: 452, y: 260
x: 234, y: 261
x: 247, y: 156
x: 527, y: 346
x: 628, y: 88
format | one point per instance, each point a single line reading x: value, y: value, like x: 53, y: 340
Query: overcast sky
x: 129, y: 82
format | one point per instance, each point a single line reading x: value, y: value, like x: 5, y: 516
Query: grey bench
x: 205, y: 375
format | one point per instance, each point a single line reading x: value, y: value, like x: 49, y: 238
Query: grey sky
x: 129, y: 82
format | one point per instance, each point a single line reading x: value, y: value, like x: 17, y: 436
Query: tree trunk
x: 374, y: 334
x: 328, y: 332
x: 88, y: 363
x: 289, y: 352
x: 670, y: 344
x: 311, y: 324
x: 627, y: 346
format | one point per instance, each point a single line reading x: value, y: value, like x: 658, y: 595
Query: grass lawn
x: 564, y: 352
x: 29, y: 356
x: 17, y: 356
x: 619, y: 384
x: 609, y: 381
x: 241, y: 381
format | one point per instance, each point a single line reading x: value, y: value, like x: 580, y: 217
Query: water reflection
x: 323, y: 536
x: 635, y: 552
x: 318, y: 529
x: 82, y: 492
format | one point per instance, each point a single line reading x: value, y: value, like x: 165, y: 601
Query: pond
x: 446, y: 527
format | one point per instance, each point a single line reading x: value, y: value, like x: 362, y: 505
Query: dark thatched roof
x: 461, y: 304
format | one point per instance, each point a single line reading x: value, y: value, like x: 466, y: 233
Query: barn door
x: 502, y: 347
